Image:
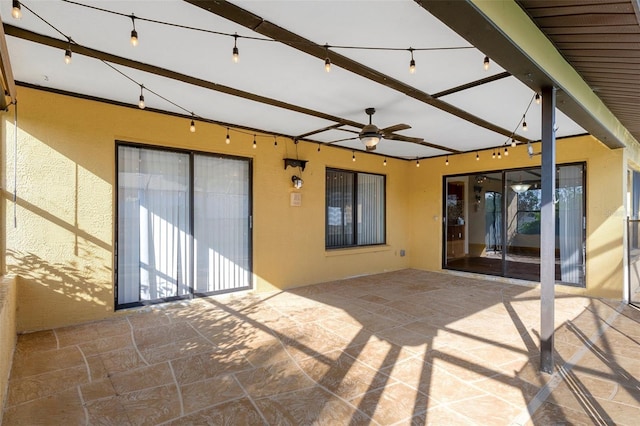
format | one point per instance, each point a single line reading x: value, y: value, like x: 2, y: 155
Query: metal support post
x: 548, y: 230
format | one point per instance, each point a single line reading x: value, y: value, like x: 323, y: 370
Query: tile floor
x: 408, y: 347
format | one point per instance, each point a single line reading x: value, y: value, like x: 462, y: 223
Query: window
x: 183, y: 225
x: 355, y: 204
x: 529, y: 203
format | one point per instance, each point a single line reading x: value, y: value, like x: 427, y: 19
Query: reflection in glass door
x: 522, y: 231
x: 500, y: 224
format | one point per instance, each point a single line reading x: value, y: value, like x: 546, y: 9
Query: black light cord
x: 237, y: 36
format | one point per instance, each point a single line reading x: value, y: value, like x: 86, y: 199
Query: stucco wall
x: 7, y: 333
x: 605, y: 210
x: 62, y: 246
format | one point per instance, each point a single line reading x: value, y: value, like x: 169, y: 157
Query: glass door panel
x: 522, y: 225
x: 473, y: 223
x: 492, y: 224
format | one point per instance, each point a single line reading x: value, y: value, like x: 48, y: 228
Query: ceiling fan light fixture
x: 370, y: 135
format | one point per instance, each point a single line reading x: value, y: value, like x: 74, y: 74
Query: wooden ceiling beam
x: 103, y: 56
x: 261, y: 26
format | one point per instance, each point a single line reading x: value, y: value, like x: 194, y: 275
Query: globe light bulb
x: 16, y: 12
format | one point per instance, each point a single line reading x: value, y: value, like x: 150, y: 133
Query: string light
x: 67, y: 54
x: 524, y: 123
x: 513, y: 143
x: 384, y: 163
x: 493, y: 154
x: 255, y: 144
x: 16, y: 12
x: 412, y: 63
x: 327, y: 61
x: 318, y: 147
x: 506, y: 151
x: 141, y: 102
x: 499, y: 155
x: 477, y: 156
x: 353, y: 157
x: 446, y: 162
x: 236, y: 52
x: 537, y: 98
x: 275, y: 141
x: 486, y: 63
x: 134, y: 33
x: 228, y: 139
x: 417, y: 162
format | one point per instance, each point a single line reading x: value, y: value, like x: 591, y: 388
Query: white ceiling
x: 278, y: 71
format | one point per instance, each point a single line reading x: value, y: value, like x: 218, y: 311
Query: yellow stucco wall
x: 62, y: 246
x: 605, y: 209
x: 7, y: 333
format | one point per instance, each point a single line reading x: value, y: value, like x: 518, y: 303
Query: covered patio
x: 405, y: 347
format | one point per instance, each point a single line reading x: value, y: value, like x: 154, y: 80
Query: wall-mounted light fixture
x: 297, y: 182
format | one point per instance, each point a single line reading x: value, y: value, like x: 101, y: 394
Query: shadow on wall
x: 56, y: 294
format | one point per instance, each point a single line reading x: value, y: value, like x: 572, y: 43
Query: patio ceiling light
x: 519, y: 188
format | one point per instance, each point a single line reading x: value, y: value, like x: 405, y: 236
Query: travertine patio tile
x: 378, y: 353
x: 274, y: 379
x: 209, y: 364
x: 209, y: 392
x: 163, y: 334
x: 46, y: 384
x: 176, y: 349
x: 151, y: 406
x: 393, y: 403
x: 106, y: 344
x: 309, y: 406
x: 62, y: 408
x: 142, y: 378
x: 35, y: 342
x: 238, y: 412
x: 407, y: 347
x: 437, y: 416
x: 344, y: 376
x: 98, y: 389
x: 107, y: 412
x: 485, y: 410
x: 46, y: 361
x: 551, y: 414
x: 117, y: 361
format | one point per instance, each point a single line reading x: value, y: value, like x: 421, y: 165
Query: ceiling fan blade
x: 420, y: 141
x: 395, y: 137
x: 340, y: 140
x: 395, y: 128
x: 350, y: 131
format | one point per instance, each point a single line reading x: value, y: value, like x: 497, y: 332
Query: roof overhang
x: 504, y: 32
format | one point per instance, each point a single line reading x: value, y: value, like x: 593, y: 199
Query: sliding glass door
x: 493, y: 225
x: 183, y: 225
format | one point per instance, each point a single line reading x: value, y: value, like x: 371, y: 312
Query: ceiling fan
x: 370, y: 135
